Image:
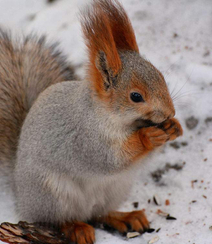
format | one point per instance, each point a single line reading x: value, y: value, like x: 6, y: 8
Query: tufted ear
x: 103, y: 54
x: 120, y: 25
x: 107, y: 30
x: 108, y: 75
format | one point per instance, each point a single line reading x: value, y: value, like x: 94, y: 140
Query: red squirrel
x: 75, y: 145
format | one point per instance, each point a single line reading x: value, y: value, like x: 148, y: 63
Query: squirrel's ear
x: 109, y: 78
x: 122, y: 30
x: 104, y: 60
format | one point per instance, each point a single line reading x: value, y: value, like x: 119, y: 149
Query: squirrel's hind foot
x: 79, y: 233
x: 125, y: 222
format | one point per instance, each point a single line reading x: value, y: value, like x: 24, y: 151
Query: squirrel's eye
x: 136, y: 97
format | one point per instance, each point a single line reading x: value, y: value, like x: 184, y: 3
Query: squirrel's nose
x: 171, y: 115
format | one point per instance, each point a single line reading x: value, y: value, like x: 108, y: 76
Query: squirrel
x: 75, y: 145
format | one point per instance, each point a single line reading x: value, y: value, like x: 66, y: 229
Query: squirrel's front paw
x: 152, y: 137
x: 172, y: 128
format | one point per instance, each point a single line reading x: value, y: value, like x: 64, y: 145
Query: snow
x: 176, y: 37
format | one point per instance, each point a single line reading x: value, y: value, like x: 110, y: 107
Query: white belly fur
x: 84, y: 198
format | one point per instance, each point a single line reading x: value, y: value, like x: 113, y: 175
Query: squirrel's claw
x: 172, y: 128
x: 126, y: 222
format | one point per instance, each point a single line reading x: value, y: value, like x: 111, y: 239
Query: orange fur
x: 79, y: 232
x: 97, y: 31
x: 139, y: 143
x: 124, y: 222
x: 145, y: 140
x: 172, y: 128
x: 120, y: 24
x: 106, y: 28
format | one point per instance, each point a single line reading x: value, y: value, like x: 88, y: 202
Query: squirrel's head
x: 129, y: 85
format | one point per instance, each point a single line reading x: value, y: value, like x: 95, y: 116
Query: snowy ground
x: 176, y: 36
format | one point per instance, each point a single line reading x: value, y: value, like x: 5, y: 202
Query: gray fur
x: 137, y: 70
x: 135, y: 65
x: 67, y: 167
x: 26, y: 69
x: 69, y: 162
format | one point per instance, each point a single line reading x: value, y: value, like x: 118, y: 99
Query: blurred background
x: 176, y: 36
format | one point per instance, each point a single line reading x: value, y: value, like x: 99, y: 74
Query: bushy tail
x: 25, y: 71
